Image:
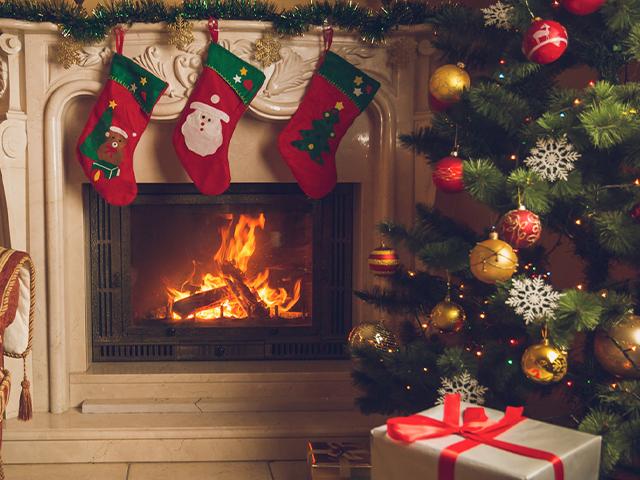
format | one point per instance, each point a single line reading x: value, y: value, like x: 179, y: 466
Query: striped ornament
x: 383, y: 261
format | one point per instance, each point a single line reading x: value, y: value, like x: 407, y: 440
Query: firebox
x: 261, y: 272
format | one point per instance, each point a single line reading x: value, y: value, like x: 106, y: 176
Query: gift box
x: 339, y: 460
x: 458, y: 441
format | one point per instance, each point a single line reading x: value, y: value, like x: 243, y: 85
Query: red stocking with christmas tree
x: 106, y: 145
x: 224, y: 89
x: 337, y: 94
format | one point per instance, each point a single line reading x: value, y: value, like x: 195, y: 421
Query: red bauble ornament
x: 635, y: 213
x: 383, y: 261
x: 582, y: 7
x: 545, y: 41
x: 520, y: 228
x: 447, y: 174
x: 437, y: 105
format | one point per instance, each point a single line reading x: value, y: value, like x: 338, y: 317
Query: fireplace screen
x: 259, y: 272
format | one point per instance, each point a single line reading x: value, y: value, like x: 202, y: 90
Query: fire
x: 233, y: 293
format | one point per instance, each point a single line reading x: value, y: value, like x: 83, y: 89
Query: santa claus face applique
x: 202, y: 129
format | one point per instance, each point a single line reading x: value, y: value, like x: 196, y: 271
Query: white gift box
x: 397, y: 460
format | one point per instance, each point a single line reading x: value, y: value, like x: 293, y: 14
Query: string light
x: 592, y: 83
x: 502, y: 61
x: 578, y: 221
x: 513, y: 342
x: 569, y: 383
x: 636, y: 182
x: 501, y: 76
x: 425, y: 369
x: 408, y: 387
x: 478, y: 353
x: 411, y: 273
x: 510, y: 362
x: 562, y: 114
x: 483, y: 315
x: 577, y: 101
x: 513, y: 157
x: 579, y: 286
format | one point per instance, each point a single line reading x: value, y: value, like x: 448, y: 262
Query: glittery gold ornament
x: 493, y: 260
x: 68, y: 52
x: 618, y: 349
x: 543, y: 363
x: 401, y: 52
x: 180, y: 33
x: 267, y: 50
x: 448, y: 82
x: 373, y: 335
x: 448, y: 316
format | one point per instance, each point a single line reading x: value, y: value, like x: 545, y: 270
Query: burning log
x: 243, y: 294
x: 200, y: 301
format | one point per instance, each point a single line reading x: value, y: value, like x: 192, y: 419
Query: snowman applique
x: 202, y: 129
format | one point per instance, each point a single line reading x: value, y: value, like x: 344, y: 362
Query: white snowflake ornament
x: 534, y: 299
x: 468, y: 387
x: 552, y: 159
x: 498, y: 15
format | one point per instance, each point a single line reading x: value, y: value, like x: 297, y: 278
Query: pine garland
x: 86, y: 27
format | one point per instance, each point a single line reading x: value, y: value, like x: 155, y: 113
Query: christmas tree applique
x: 316, y: 140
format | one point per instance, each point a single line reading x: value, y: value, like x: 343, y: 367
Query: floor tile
x: 83, y: 471
x: 289, y: 470
x: 200, y: 471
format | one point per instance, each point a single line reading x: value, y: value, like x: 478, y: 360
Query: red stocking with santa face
x: 220, y: 97
x: 106, y: 145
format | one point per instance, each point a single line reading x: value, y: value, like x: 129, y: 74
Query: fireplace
x: 259, y: 272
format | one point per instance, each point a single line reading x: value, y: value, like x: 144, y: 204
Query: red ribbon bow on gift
x: 476, y: 429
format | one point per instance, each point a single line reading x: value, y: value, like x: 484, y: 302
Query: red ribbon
x: 119, y: 34
x: 476, y: 429
x: 212, y: 24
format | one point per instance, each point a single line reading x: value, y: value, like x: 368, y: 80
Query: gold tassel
x: 25, y: 411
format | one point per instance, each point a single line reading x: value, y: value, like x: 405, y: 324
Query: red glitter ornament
x: 545, y: 41
x: 582, y: 7
x: 447, y: 174
x: 520, y: 228
x: 635, y: 213
x: 437, y: 105
x: 383, y: 261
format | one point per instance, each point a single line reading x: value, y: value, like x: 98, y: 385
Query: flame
x: 236, y: 250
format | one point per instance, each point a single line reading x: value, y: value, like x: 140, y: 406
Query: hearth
x: 259, y: 272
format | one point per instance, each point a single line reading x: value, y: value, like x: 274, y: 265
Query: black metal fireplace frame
x: 116, y: 338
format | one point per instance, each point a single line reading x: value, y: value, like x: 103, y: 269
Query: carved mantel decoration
x: 44, y: 188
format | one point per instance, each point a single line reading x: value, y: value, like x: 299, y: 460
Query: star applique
x: 143, y: 80
x: 357, y: 92
x: 237, y: 78
x: 358, y: 80
x: 243, y: 71
x: 133, y: 87
x: 112, y: 104
x: 339, y: 106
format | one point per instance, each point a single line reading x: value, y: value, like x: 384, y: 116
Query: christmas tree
x: 555, y: 166
x: 316, y: 140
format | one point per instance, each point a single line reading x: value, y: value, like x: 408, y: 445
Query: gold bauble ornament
x: 180, y: 33
x: 68, y: 52
x: 448, y: 316
x: 267, y: 50
x: 448, y: 82
x: 493, y: 260
x: 618, y: 349
x: 372, y: 335
x: 543, y: 363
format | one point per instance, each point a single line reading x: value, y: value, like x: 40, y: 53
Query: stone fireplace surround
x: 45, y: 107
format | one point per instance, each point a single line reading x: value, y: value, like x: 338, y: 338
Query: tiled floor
x: 161, y: 471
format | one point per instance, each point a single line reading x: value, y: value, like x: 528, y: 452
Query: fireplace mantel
x: 41, y: 100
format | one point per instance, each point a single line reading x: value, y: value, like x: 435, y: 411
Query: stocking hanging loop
x: 327, y: 35
x: 213, y: 29
x: 119, y: 34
